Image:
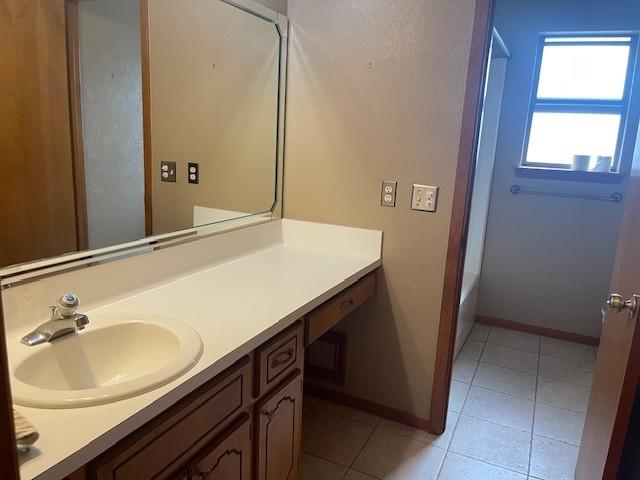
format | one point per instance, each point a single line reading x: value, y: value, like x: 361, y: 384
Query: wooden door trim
x: 454, y: 266
x: 146, y: 117
x: 75, y: 116
x: 8, y: 450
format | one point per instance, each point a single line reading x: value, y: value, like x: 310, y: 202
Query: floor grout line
x: 507, y: 368
x: 364, y: 445
x: 448, y: 449
x: 344, y: 417
x: 533, y: 419
x: 488, y: 463
x: 492, y: 422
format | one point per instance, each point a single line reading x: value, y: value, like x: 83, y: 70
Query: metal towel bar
x: 615, y: 197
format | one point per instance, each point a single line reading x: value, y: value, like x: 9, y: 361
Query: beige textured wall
x: 214, y: 84
x: 376, y: 92
x: 111, y: 84
x: 279, y: 6
x: 547, y: 261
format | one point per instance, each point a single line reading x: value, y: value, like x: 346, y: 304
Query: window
x: 580, y: 100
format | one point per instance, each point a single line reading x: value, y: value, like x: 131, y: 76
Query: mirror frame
x: 30, y: 271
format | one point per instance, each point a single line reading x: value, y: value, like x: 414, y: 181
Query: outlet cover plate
x: 168, y: 172
x: 388, y: 194
x: 424, y: 198
x: 193, y: 173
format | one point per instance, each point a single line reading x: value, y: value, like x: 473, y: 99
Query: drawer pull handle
x: 348, y: 303
x: 282, y: 358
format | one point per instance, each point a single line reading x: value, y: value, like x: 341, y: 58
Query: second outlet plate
x: 388, y: 195
x: 424, y: 198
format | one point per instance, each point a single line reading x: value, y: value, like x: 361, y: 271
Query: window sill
x: 569, y: 175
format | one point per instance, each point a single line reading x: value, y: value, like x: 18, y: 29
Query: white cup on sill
x: 603, y: 163
x: 581, y: 163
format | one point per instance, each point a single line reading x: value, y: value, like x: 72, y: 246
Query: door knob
x: 615, y: 303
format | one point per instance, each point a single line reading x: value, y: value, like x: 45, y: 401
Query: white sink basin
x: 116, y: 357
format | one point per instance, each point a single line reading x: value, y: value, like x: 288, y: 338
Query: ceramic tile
x: 459, y: 467
x: 510, y: 358
x: 314, y: 468
x: 472, y: 349
x: 348, y: 412
x: 480, y: 332
x: 441, y: 441
x: 515, y: 339
x: 355, y: 475
x: 502, y: 446
x: 464, y: 368
x: 558, y: 424
x: 334, y: 438
x: 519, y: 384
x: 568, y: 350
x: 395, y: 457
x: 458, y: 395
x: 570, y: 371
x: 552, y: 460
x: 562, y: 395
x: 500, y: 408
x: 308, y: 404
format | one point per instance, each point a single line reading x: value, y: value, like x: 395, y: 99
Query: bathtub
x: 467, y: 313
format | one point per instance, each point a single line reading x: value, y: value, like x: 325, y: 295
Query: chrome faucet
x: 64, y: 320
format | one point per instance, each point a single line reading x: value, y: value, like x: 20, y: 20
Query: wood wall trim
x: 368, y: 406
x: 75, y: 116
x: 8, y: 450
x: 146, y: 117
x: 458, y: 230
x: 547, y: 332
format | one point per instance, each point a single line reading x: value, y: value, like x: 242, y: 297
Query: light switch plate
x: 388, y: 194
x: 424, y: 198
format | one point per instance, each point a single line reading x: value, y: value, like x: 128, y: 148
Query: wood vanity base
x: 244, y: 424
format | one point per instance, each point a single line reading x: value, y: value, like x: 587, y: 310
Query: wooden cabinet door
x: 279, y: 429
x: 228, y: 458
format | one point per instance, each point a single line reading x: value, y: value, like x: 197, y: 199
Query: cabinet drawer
x: 326, y: 316
x: 226, y: 458
x: 159, y: 448
x: 277, y: 358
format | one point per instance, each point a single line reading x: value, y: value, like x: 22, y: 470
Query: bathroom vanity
x: 247, y: 419
x: 256, y: 296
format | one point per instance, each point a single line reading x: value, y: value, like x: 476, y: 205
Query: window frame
x: 566, y: 105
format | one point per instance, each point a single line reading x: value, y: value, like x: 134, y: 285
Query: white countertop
x: 234, y: 305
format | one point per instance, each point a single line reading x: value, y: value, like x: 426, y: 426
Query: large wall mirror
x: 130, y: 119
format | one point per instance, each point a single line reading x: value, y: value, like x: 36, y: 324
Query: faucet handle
x: 68, y: 304
x: 81, y: 321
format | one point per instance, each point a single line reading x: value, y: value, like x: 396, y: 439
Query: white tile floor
x: 516, y: 412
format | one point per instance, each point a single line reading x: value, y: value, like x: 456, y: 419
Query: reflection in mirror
x: 213, y: 102
x: 129, y: 119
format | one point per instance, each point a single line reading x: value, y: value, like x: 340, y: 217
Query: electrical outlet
x: 193, y: 173
x: 424, y: 198
x: 388, y: 195
x: 168, y: 171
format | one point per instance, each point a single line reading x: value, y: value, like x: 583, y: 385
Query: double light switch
x: 424, y: 198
